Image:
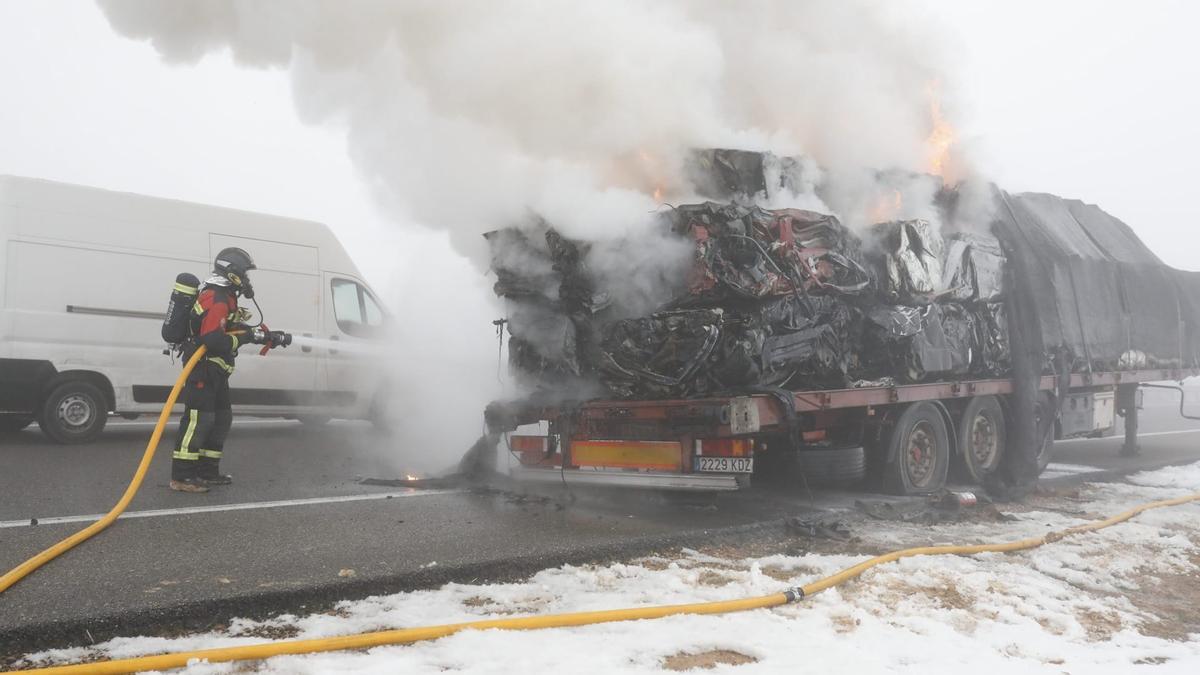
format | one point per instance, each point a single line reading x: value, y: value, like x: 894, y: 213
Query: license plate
x: 724, y: 464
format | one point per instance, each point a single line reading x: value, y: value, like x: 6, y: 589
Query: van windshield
x: 356, y: 310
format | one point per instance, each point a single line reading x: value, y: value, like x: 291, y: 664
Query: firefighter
x: 219, y: 324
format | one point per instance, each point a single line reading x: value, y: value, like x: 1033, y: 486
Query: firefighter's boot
x: 193, y: 485
x: 209, y: 471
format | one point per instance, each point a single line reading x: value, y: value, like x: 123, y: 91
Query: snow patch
x: 1064, y: 607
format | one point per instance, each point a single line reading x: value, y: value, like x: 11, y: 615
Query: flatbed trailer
x: 904, y: 436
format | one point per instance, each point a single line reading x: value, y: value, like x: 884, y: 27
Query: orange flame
x: 653, y: 169
x: 941, y: 137
x: 409, y: 476
x: 886, y: 208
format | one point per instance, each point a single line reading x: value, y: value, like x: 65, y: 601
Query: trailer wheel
x: 841, y: 467
x: 74, y: 412
x: 14, y: 423
x: 919, y: 448
x: 981, y: 438
x: 1045, y: 411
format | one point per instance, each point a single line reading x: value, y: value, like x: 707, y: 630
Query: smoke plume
x: 467, y: 116
x: 463, y: 115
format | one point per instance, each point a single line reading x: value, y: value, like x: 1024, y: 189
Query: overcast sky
x: 1096, y: 101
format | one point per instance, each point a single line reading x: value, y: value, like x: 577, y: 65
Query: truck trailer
x: 905, y: 436
x: 800, y: 351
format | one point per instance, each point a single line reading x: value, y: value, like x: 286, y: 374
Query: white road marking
x: 155, y: 513
x: 1071, y: 468
x: 1121, y: 437
x: 174, y: 419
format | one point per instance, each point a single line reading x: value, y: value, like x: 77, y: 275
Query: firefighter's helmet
x: 235, y: 264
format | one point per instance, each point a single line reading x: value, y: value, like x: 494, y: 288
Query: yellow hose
x: 410, y: 635
x: 971, y: 549
x: 24, y: 569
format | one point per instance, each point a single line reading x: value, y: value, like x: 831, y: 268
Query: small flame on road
x: 410, y: 477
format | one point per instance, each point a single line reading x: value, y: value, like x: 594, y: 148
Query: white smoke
x: 468, y: 115
x: 465, y: 114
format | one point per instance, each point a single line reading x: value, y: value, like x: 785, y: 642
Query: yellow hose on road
x: 24, y: 569
x: 410, y: 635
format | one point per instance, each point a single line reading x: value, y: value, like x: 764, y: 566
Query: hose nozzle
x: 270, y: 339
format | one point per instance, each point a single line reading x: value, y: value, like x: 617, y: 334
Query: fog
x: 413, y: 127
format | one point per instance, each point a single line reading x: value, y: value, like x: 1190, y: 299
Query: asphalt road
x: 298, y: 529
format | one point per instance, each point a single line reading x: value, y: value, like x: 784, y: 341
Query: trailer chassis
x: 661, y: 444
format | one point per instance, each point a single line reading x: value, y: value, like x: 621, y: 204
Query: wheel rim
x: 985, y: 441
x: 920, y: 455
x: 76, y: 412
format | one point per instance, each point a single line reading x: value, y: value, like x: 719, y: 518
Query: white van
x: 86, y: 278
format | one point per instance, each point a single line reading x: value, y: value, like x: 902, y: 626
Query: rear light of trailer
x: 524, y: 444
x: 532, y: 450
x: 724, y: 447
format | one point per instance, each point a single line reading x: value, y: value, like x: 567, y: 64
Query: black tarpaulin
x: 1099, y: 292
x: 1187, y: 285
x: 1086, y: 294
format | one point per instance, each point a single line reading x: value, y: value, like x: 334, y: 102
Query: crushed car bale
x: 793, y: 299
x: 782, y: 298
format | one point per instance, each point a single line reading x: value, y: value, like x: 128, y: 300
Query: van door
x: 355, y: 326
x: 287, y: 285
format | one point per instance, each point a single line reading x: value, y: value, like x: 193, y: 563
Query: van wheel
x: 981, y: 438
x: 74, y: 412
x: 919, y: 447
x: 14, y: 423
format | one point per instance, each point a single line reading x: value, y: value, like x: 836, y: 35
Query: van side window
x: 371, y: 311
x: 355, y: 309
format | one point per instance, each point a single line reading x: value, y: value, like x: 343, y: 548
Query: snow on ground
x: 1126, y: 599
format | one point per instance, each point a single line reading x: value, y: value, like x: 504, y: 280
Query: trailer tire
x: 838, y: 467
x: 982, y: 438
x: 918, y: 449
x: 73, y: 412
x: 10, y: 424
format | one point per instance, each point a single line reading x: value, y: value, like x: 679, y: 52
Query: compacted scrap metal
x: 791, y: 299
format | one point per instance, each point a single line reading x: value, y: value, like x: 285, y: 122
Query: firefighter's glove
x: 241, y: 331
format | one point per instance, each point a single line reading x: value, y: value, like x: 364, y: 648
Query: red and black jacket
x: 215, y: 308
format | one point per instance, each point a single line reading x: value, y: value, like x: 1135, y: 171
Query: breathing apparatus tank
x: 183, y: 297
